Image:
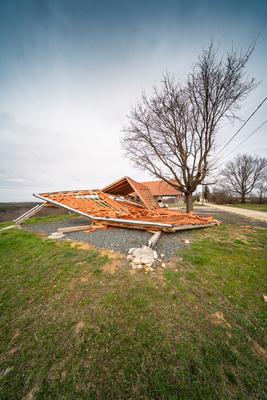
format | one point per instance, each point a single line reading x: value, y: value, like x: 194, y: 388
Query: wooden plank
x: 29, y: 213
x: 69, y: 229
x: 125, y: 225
x: 184, y: 227
x: 74, y: 228
x: 8, y: 227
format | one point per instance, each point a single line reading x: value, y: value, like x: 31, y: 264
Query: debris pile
x: 142, y: 258
x: 126, y: 204
x: 56, y: 235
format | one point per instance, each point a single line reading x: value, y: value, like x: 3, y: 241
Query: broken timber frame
x: 111, y: 221
x: 127, y: 223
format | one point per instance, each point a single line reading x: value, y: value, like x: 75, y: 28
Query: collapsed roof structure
x: 124, y: 203
x: 128, y: 187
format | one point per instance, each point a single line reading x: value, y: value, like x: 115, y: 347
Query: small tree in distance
x: 262, y: 186
x: 172, y: 133
x: 206, y: 192
x: 242, y: 175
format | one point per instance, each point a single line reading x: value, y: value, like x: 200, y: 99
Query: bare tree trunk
x: 243, y: 198
x: 260, y: 199
x: 189, y: 202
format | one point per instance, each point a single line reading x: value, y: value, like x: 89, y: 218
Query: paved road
x: 260, y: 215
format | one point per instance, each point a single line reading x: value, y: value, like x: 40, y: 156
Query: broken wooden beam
x: 153, y: 240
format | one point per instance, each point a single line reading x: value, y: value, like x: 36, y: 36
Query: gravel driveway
x: 230, y: 218
x: 260, y: 215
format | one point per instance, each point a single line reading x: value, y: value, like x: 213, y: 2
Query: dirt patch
x: 218, y: 319
x: 79, y: 327
x: 30, y: 395
x: 259, y: 350
x: 87, y: 246
x: 13, y: 350
x: 111, y: 267
x: 248, y: 228
x: 81, y: 246
x: 7, y: 354
x: 85, y: 278
x: 16, y: 334
x: 243, y: 238
x: 75, y: 282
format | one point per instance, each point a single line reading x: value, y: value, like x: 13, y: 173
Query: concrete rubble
x: 56, y: 235
x: 142, y: 258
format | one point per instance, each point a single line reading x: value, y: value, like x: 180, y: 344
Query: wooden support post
x: 29, y: 213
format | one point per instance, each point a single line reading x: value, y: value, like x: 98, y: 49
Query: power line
x: 244, y: 140
x: 242, y: 126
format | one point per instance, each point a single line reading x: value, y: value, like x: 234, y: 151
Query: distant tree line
x: 245, y: 176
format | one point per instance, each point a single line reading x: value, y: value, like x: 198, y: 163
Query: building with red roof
x: 163, y: 191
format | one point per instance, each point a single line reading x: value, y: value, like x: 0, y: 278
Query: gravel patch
x: 117, y: 239
x: 49, y: 227
x: 121, y: 240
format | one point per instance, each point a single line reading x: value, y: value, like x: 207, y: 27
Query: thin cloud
x: 70, y: 72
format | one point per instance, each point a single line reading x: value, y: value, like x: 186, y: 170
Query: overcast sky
x: 70, y: 71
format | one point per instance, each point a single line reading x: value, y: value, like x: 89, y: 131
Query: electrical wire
x: 246, y: 138
x: 239, y: 144
x: 242, y: 126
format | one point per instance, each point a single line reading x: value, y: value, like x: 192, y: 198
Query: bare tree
x: 242, y: 174
x: 172, y: 133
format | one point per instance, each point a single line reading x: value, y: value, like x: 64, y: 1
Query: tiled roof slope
x: 96, y: 204
x: 161, y: 188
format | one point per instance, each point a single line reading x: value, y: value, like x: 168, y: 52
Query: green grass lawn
x: 34, y: 220
x: 250, y: 206
x: 78, y: 324
x: 50, y: 218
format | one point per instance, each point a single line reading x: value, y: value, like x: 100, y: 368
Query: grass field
x: 78, y: 324
x: 250, y: 206
x: 34, y: 220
